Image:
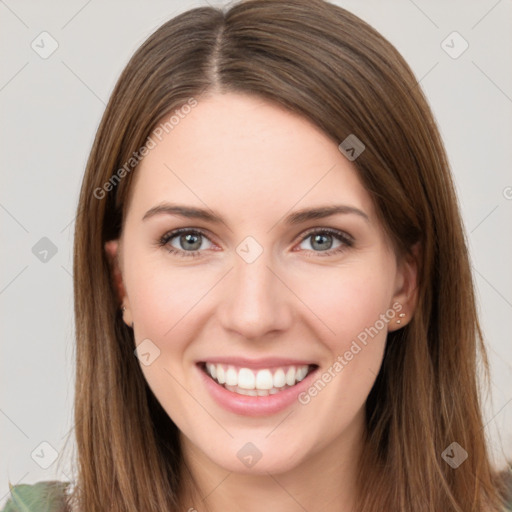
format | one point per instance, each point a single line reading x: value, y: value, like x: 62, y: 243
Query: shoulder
x: 505, y: 478
x: 46, y: 496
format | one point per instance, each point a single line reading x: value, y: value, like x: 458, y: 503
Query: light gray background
x: 50, y: 110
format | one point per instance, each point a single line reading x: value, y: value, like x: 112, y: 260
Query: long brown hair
x: 324, y: 63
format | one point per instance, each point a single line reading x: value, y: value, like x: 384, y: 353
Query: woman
x: 268, y: 222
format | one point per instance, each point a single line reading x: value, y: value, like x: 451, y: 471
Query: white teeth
x: 301, y: 373
x: 256, y: 382
x: 246, y: 379
x: 290, y: 376
x: 253, y: 392
x: 231, y: 377
x: 264, y: 379
x: 279, y: 379
x: 212, y: 370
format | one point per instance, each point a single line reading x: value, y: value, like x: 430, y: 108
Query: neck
x: 324, y: 480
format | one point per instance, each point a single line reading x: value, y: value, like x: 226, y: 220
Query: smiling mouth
x: 261, y: 382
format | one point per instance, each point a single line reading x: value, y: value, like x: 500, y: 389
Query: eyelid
x: 346, y: 240
x: 332, y: 231
x: 173, y: 233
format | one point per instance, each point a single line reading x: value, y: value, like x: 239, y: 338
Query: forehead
x: 242, y: 152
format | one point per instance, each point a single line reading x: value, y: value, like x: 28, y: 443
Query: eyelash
x: 346, y: 240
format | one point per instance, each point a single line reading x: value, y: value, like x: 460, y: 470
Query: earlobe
x: 406, y: 294
x: 112, y: 250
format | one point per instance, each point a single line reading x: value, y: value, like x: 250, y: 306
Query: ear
x: 406, y: 292
x: 113, y: 249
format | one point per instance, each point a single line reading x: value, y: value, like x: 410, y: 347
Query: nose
x: 255, y: 301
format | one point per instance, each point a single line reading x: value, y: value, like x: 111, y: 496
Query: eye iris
x: 190, y: 238
x: 321, y: 238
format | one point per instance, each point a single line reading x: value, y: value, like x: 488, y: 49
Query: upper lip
x: 266, y: 362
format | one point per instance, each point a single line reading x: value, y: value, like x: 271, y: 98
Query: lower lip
x: 254, y: 405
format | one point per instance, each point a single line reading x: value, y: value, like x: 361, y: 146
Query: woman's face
x: 260, y: 287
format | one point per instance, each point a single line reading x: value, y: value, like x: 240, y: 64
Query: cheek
x: 348, y: 300
x: 161, y: 297
x: 165, y: 304
x: 355, y: 305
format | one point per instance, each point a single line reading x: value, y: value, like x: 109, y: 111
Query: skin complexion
x: 217, y: 268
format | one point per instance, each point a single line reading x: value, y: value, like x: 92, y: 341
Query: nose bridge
x: 255, y: 301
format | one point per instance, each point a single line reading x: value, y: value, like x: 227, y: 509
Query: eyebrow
x: 294, y: 218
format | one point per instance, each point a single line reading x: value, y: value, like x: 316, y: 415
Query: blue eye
x: 187, y: 242
x: 324, y: 240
